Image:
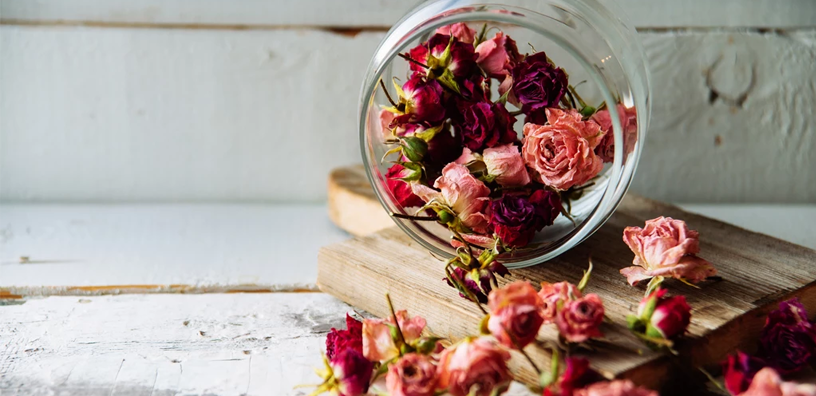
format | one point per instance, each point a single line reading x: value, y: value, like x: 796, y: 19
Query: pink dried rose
x: 665, y: 247
x: 506, y: 165
x: 615, y: 388
x: 562, y: 152
x: 401, y: 190
x: 738, y: 371
x: 340, y: 340
x: 768, y: 383
x: 552, y: 293
x: 475, y: 367
x: 661, y: 317
x: 515, y: 314
x: 460, y: 31
x: 628, y: 121
x: 386, y: 117
x: 379, y: 345
x: 460, y: 191
x: 498, y: 56
x: 788, y: 340
x: 412, y: 375
x: 352, y: 373
x: 577, y: 374
x: 580, y: 319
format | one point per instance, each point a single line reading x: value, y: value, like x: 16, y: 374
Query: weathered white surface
x: 203, y: 248
x: 106, y: 114
x: 259, y: 13
x: 214, y: 344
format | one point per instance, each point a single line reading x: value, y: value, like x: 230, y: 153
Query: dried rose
x: 475, y: 367
x: 351, y: 337
x: 738, y: 371
x: 460, y: 31
x: 485, y: 124
x: 378, y: 342
x: 513, y: 219
x: 504, y: 163
x: 460, y: 191
x: 562, y: 152
x: 352, y: 371
x: 615, y: 388
x: 554, y: 294
x: 628, y: 121
x: 465, y: 281
x: 420, y: 101
x: 579, y: 320
x: 548, y: 207
x: 401, y: 190
x: 441, y: 54
x: 537, y: 83
x: 788, y: 340
x: 577, y: 374
x: 662, y: 317
x: 665, y: 247
x: 411, y: 375
x: 768, y: 383
x: 515, y: 314
x: 498, y: 56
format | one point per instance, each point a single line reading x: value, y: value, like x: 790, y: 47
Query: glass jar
x: 605, y: 63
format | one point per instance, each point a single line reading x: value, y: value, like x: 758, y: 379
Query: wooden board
x: 758, y: 271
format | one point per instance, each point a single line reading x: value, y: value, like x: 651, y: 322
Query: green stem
x: 394, y: 317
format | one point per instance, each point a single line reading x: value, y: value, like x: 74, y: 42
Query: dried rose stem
x: 415, y: 218
x: 387, y: 95
x: 520, y: 349
x: 394, y: 317
x: 412, y: 60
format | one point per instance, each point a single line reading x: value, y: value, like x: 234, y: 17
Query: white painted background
x: 217, y: 100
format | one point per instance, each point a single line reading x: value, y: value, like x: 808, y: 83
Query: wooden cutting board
x: 757, y: 272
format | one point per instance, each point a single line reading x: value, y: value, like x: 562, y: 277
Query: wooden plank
x: 352, y: 13
x: 758, y: 271
x: 163, y: 345
x: 206, y: 115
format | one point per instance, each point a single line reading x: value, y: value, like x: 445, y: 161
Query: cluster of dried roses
x: 457, y: 153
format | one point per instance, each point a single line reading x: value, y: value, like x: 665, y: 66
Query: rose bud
x: 738, y: 371
x: 768, y: 383
x: 504, y: 163
x: 339, y: 340
x: 665, y: 247
x: 352, y: 372
x: 460, y: 191
x: 400, y: 189
x: 414, y: 148
x: 463, y: 280
x: 475, y: 367
x: 513, y: 219
x: 538, y: 84
x: 664, y: 317
x: 628, y: 121
x: 577, y: 374
x: 459, y: 61
x: 562, y: 152
x: 579, y: 320
x: 551, y: 294
x: 614, y: 388
x: 378, y: 341
x: 411, y: 375
x: 498, y: 56
x: 460, y: 31
x: 515, y: 316
x: 788, y: 340
x: 485, y: 124
x: 420, y: 100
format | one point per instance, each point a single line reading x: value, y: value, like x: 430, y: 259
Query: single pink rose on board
x: 562, y: 152
x: 498, y: 56
x: 665, y: 247
x: 579, y: 320
x: 551, y: 294
x: 460, y: 31
x: 615, y: 388
x: 378, y: 345
x: 505, y: 163
x: 768, y: 383
x: 515, y: 309
x: 411, y: 375
x: 459, y: 190
x: 475, y: 367
x: 628, y: 121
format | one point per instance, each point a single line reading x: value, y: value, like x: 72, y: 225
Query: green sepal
x: 585, y: 279
x: 416, y: 171
x: 487, y: 178
x: 445, y: 217
x: 447, y: 80
x: 653, y: 332
x: 648, y: 309
x: 426, y: 345
x: 414, y: 148
x: 588, y: 111
x: 635, y: 324
x: 429, y: 133
x: 483, y: 325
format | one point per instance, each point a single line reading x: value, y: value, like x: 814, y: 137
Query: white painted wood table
x: 72, y: 334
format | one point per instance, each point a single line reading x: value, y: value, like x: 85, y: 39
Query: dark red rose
x: 513, y: 219
x: 350, y: 338
x: 485, y: 124
x: 788, y: 340
x: 443, y: 149
x: 547, y: 206
x: 422, y: 102
x: 576, y: 375
x: 352, y: 372
x: 462, y: 61
x: 469, y: 284
x: 401, y: 190
x: 487, y: 277
x: 537, y: 83
x: 738, y: 371
x: 670, y: 317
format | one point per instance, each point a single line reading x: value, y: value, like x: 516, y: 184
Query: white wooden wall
x: 255, y: 100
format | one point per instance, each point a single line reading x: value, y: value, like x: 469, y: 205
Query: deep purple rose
x: 788, y: 340
x: 547, y: 205
x: 513, y: 219
x: 352, y: 371
x: 538, y: 84
x: 738, y: 371
x: 485, y: 124
x: 462, y: 62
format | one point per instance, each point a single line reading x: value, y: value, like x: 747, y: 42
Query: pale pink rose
x: 498, y: 56
x: 614, y: 388
x: 628, y: 121
x: 515, y: 309
x: 378, y: 345
x: 411, y: 375
x: 467, y: 157
x: 386, y: 117
x: 459, y: 190
x: 476, y: 365
x: 767, y: 382
x: 562, y: 151
x: 460, y: 31
x: 506, y: 164
x: 665, y: 247
x: 551, y: 294
x: 579, y: 320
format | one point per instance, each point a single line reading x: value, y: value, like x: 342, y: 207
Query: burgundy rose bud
x: 485, y: 124
x: 443, y: 149
x: 400, y: 189
x: 352, y: 371
x: 469, y: 284
x: 547, y: 206
x: 661, y: 317
x: 577, y: 375
x: 513, y: 219
x: 537, y: 83
x: 788, y: 340
x: 422, y: 100
x: 459, y: 59
x: 350, y: 338
x: 738, y: 371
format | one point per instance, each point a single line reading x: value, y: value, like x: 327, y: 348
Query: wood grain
x: 758, y: 271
